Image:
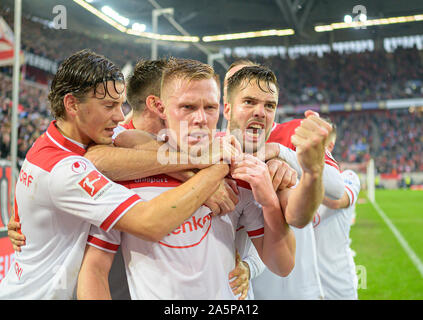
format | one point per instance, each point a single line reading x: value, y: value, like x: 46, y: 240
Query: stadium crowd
x: 351, y: 77
x: 391, y: 137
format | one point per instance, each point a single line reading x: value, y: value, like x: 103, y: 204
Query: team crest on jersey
x: 93, y: 182
x: 79, y: 166
x: 190, y: 233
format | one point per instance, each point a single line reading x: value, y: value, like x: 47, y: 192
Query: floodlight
x: 138, y: 27
x: 116, y: 16
x: 348, y: 18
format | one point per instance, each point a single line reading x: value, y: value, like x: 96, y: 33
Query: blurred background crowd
x: 392, y: 137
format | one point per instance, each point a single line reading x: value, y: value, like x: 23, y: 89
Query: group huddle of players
x: 260, y: 210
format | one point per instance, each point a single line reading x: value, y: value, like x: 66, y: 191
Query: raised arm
x: 301, y: 203
x: 332, y: 179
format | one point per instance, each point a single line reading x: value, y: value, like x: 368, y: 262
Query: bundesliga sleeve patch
x: 93, y: 182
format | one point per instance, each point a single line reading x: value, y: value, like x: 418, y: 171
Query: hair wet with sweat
x: 243, y: 77
x: 83, y: 71
x: 240, y: 62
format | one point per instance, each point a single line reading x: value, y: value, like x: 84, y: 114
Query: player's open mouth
x: 254, y: 130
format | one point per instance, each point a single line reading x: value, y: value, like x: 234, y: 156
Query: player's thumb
x: 238, y: 257
x: 310, y: 113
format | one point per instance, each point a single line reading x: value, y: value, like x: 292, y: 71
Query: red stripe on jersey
x: 102, y: 244
x: 160, y: 180
x: 47, y: 152
x: 66, y: 143
x: 129, y: 125
x: 16, y: 213
x: 352, y: 195
x: 332, y: 163
x: 256, y: 233
x: 241, y: 227
x: 118, y: 211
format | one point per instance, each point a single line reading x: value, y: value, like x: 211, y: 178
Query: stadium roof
x: 206, y: 17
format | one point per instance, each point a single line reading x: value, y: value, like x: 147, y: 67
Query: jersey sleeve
x: 352, y: 185
x: 118, y: 130
x: 252, y: 216
x: 106, y: 241
x: 79, y: 189
x: 254, y: 261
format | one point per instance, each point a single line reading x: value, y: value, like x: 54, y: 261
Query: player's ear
x: 151, y: 103
x: 330, y: 146
x: 227, y: 111
x: 71, y: 104
x: 157, y: 107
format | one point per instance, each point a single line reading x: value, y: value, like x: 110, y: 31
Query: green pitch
x: 384, y: 269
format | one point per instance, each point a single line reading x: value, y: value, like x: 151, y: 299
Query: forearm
x: 332, y: 179
x: 344, y: 202
x: 93, y: 282
x: 255, y: 264
x: 121, y: 164
x: 278, y: 242
x: 145, y: 220
x: 304, y: 200
x: 182, y: 175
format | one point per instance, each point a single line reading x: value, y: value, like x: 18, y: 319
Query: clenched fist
x: 310, y: 141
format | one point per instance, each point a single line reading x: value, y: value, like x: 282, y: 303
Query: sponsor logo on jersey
x: 93, y: 182
x: 191, y: 233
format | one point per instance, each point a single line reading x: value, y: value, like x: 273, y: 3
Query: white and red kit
x: 191, y: 262
x: 334, y: 256
x: 122, y: 127
x: 249, y: 254
x: 59, y: 194
x: 303, y: 283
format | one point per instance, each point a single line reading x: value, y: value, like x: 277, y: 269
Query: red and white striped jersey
x: 59, y: 194
x: 191, y: 262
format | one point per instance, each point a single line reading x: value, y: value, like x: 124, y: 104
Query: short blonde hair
x: 187, y: 69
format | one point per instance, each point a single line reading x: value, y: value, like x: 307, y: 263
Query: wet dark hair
x: 245, y: 62
x: 78, y: 74
x: 144, y: 81
x: 250, y: 73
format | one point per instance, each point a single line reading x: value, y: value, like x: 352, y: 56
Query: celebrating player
x: 331, y: 229
x: 245, y: 115
x: 202, y: 247
x: 60, y: 193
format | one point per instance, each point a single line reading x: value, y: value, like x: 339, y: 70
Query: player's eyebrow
x: 250, y: 98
